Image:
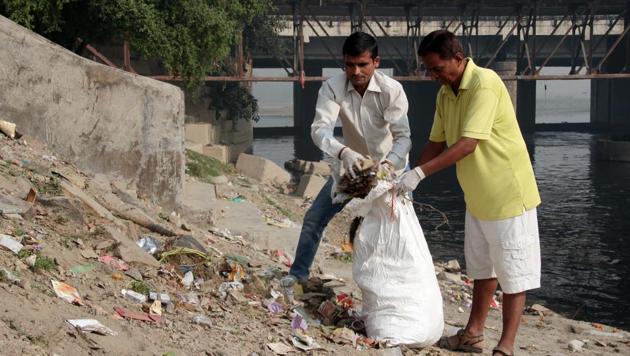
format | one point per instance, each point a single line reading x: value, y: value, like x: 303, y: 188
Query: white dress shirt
x: 374, y: 124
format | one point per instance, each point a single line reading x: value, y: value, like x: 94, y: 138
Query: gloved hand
x: 410, y: 180
x: 351, y: 161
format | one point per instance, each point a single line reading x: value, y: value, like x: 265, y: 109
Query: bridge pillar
x: 304, y: 100
x: 507, y: 68
x: 609, y: 97
x: 522, y: 94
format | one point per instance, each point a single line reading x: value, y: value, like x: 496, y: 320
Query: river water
x: 583, y: 222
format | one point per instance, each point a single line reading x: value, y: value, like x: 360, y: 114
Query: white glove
x: 351, y: 160
x: 410, y: 180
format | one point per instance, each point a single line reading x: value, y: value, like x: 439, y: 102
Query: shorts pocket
x: 516, y: 253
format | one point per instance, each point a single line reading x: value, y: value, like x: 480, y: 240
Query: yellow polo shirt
x: 497, y: 178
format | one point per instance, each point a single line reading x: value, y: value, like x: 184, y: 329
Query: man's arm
x: 322, y: 129
x: 396, y: 116
x: 435, y: 159
x: 430, y: 150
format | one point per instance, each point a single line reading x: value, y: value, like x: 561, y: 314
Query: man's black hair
x: 359, y: 42
x: 442, y: 42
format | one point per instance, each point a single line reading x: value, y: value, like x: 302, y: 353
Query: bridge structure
x: 515, y: 38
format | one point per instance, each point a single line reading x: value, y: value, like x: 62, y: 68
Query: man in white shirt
x: 373, y: 112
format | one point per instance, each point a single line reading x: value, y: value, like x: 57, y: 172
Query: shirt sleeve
x: 480, y: 114
x: 326, y: 113
x: 437, y: 130
x: 396, y: 115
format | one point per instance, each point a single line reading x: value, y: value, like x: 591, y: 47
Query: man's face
x: 445, y: 71
x: 359, y: 69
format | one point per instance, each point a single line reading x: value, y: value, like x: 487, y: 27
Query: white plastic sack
x: 393, y: 267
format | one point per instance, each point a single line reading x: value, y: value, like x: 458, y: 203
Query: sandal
x: 500, y: 351
x: 462, y: 342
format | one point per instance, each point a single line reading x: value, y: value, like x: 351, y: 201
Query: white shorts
x: 506, y: 249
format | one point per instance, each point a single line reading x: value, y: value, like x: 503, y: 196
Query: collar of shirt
x: 372, y: 85
x: 466, y: 78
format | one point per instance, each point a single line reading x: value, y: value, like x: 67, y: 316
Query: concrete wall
x: 237, y: 136
x: 104, y: 120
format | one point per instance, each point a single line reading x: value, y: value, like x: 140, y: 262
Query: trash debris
x: 360, y: 186
x: 575, y: 345
x: 284, y: 223
x: 309, y: 321
x: 329, y: 312
x: 280, y: 348
x: 7, y: 275
x: 91, y: 325
x: 80, y: 269
x: 149, y: 244
x: 189, y: 300
x: 232, y: 270
x: 188, y: 279
x: 225, y: 233
x: 227, y: 287
x: 7, y: 128
x: 298, y: 323
x: 187, y: 241
x: 133, y: 296
x: 30, y: 260
x: 275, y: 307
x: 66, y: 292
x: 183, y: 251
x: 155, y: 308
x: 344, y: 300
x: 10, y: 244
x: 453, y: 266
x: 31, y: 196
x: 344, y: 336
x: 202, y: 320
x: 537, y: 309
x: 282, y: 257
x: 162, y: 297
x: 304, y: 342
x: 129, y: 314
x: 494, y: 303
x: 237, y: 199
x: 607, y: 334
x: 114, y: 262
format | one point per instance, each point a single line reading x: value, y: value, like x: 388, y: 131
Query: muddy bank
x: 221, y: 280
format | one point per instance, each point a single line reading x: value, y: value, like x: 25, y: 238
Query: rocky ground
x: 220, y: 261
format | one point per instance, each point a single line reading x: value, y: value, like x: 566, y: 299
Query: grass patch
x: 24, y: 254
x: 43, y: 263
x: 19, y: 232
x: 344, y: 257
x: 140, y: 287
x: 286, y: 212
x: 50, y: 187
x: 204, y: 167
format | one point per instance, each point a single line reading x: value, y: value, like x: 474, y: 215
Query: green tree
x: 190, y: 37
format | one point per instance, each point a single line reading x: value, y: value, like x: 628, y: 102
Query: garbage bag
x: 393, y: 267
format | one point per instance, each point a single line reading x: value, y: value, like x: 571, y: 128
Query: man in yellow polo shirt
x: 475, y: 128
